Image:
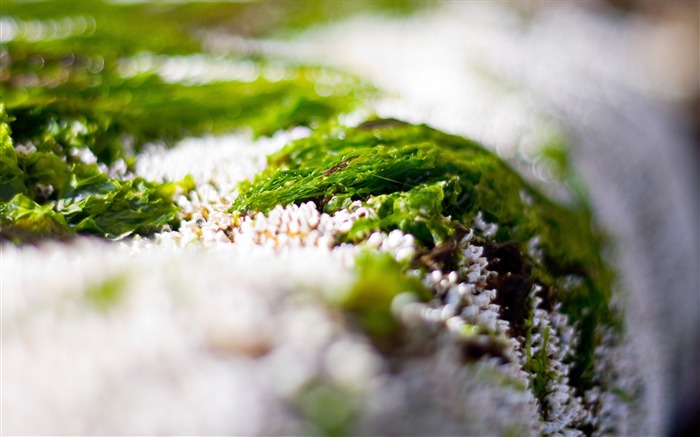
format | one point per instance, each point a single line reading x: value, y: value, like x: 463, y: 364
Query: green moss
x: 428, y: 183
x: 538, y: 367
x: 178, y: 27
x: 68, y: 99
x: 114, y: 116
x: 368, y: 302
x: 23, y: 220
x: 43, y: 195
x: 66, y: 81
x: 328, y: 409
x: 107, y: 293
x: 418, y: 211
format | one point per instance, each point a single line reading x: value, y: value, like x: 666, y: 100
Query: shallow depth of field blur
x: 615, y: 82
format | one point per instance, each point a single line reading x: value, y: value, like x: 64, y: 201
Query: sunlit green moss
x: 179, y: 27
x: 116, y: 118
x: 85, y: 74
x: 82, y: 81
x: 427, y: 183
x: 43, y: 195
x: 80, y: 86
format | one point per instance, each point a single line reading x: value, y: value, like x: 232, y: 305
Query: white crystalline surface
x: 228, y: 326
x: 220, y: 326
x: 205, y: 336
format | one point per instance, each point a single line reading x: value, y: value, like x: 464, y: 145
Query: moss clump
x: 82, y: 93
x: 380, y: 279
x: 117, y: 117
x: 84, y: 74
x: 114, y: 102
x: 429, y: 183
x: 43, y: 195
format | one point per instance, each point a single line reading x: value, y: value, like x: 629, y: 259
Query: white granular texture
x: 235, y: 311
x: 200, y: 341
x: 213, y: 162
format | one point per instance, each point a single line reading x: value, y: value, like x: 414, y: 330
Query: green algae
x: 12, y: 177
x: 42, y: 195
x: 538, y: 367
x: 68, y: 63
x: 115, y: 101
x: 107, y: 293
x: 85, y: 75
x: 64, y: 95
x: 429, y: 183
x: 82, y: 94
x: 23, y: 220
x: 114, y: 120
x: 380, y: 279
x: 417, y: 211
x: 179, y: 27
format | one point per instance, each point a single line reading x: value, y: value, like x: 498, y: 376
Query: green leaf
x: 115, y: 209
x: 22, y: 219
x: 44, y: 171
x: 12, y: 180
x: 380, y: 279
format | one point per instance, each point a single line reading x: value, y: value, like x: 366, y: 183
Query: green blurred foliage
x: 82, y: 92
